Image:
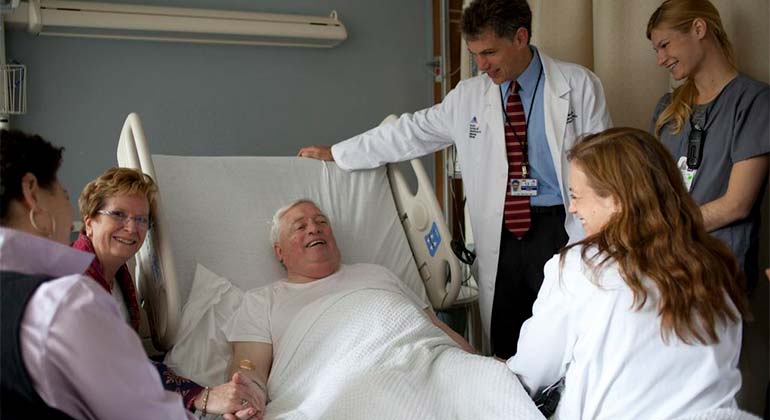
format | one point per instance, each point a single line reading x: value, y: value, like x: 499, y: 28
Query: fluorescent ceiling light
x: 153, y: 23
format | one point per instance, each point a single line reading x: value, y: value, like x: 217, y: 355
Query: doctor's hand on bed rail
x: 236, y: 399
x: 316, y: 152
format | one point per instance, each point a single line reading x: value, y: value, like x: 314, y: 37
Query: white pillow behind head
x: 202, y: 352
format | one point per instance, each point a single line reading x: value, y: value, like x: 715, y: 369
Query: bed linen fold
x: 371, y: 354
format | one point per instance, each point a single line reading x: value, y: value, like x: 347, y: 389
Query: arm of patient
x: 253, y: 360
x: 450, y: 332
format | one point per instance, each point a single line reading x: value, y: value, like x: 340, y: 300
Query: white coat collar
x: 555, y: 81
x: 554, y: 78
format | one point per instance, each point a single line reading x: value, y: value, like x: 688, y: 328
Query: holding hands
x: 236, y: 400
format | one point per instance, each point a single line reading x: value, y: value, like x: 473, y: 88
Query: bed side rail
x: 427, y: 233
x: 155, y: 270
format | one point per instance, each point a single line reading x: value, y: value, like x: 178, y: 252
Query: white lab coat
x: 616, y: 365
x: 470, y: 118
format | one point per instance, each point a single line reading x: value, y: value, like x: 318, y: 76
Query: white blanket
x: 721, y: 414
x: 371, y: 354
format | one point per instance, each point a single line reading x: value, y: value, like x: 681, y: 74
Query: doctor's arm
x: 411, y: 136
x: 743, y: 188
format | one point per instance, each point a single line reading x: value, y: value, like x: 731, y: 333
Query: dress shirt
x: 540, y: 162
x: 82, y: 358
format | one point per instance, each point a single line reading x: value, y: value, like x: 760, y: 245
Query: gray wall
x: 225, y: 100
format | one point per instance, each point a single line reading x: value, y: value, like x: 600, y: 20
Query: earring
x: 37, y: 228
x: 32, y: 220
x: 53, y: 227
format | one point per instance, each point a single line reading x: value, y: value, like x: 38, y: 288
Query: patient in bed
x: 349, y: 341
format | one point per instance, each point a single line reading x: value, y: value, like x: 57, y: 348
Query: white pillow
x: 202, y: 352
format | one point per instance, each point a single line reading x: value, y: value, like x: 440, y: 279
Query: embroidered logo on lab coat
x: 571, y: 116
x: 473, y: 128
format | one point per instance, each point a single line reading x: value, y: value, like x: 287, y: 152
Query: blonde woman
x: 115, y: 208
x: 642, y: 318
x: 716, y: 125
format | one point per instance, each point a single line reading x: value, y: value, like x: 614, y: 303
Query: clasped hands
x: 238, y: 399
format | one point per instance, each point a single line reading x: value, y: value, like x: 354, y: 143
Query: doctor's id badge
x: 687, y: 174
x: 523, y: 187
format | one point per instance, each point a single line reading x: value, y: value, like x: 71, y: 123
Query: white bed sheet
x: 388, y: 362
x: 218, y: 212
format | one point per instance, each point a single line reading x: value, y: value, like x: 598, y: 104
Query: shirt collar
x: 30, y: 254
x: 529, y: 77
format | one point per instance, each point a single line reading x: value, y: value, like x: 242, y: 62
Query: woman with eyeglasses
x: 716, y: 125
x: 115, y: 209
x: 66, y: 353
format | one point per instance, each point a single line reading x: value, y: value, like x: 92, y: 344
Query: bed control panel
x: 433, y: 240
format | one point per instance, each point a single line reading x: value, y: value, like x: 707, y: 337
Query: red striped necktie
x: 516, y: 214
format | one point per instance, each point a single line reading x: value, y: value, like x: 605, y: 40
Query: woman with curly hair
x: 642, y: 318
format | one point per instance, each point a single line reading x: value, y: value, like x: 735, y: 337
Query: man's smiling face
x: 502, y: 59
x: 306, y: 244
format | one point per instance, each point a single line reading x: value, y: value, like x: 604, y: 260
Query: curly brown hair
x: 658, y: 234
x: 114, y: 182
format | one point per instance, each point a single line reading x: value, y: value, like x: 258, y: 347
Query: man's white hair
x: 275, y: 229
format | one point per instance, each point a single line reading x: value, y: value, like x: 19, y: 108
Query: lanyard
x: 697, y: 137
x: 522, y: 144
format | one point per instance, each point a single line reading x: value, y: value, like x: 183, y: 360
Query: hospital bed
x: 209, y: 243
x: 217, y: 210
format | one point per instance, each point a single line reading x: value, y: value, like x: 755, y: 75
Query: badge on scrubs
x: 687, y: 174
x: 523, y: 187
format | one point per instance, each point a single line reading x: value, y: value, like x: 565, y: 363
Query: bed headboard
x: 217, y: 211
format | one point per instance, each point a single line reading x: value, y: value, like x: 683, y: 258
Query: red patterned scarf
x: 123, y: 277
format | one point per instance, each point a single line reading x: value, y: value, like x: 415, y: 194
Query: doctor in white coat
x: 567, y: 100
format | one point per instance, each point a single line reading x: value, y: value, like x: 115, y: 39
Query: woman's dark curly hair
x: 20, y: 154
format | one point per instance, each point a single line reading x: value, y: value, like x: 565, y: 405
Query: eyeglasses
x: 141, y: 222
